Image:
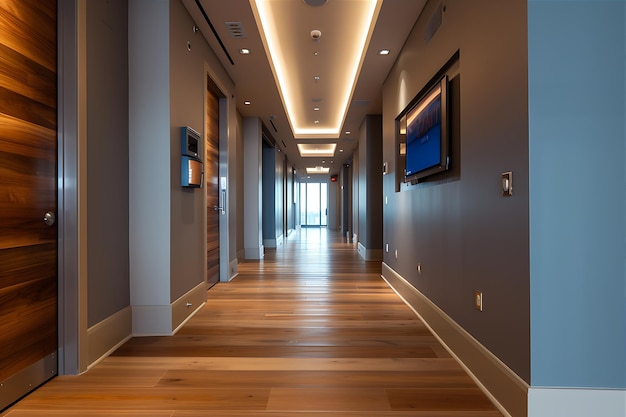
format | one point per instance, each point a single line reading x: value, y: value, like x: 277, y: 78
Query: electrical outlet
x: 478, y: 300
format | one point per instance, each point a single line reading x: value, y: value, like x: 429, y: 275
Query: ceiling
x: 320, y: 89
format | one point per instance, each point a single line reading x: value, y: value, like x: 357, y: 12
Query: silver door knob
x: 49, y: 218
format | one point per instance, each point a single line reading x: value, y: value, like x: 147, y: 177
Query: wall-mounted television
x: 427, y: 141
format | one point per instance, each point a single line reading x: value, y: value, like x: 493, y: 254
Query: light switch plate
x: 507, y: 184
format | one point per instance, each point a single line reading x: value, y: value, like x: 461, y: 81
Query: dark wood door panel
x: 17, y: 71
x: 16, y: 137
x: 28, y: 324
x: 28, y: 189
x: 212, y: 188
x: 27, y: 263
x: 29, y: 27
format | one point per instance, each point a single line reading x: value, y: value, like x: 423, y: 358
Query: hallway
x: 311, y: 330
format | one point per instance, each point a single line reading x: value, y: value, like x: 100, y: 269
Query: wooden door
x: 28, y: 179
x: 213, y: 200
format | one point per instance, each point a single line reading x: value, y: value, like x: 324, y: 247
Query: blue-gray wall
x: 577, y: 112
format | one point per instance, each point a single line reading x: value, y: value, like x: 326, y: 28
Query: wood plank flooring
x: 312, y: 330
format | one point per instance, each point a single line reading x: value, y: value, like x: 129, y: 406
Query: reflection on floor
x: 311, y: 330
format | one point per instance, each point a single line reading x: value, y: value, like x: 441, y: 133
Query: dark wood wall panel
x: 28, y: 183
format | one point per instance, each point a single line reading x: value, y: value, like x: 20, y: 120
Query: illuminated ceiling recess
x: 317, y: 170
x: 325, y: 150
x: 336, y: 58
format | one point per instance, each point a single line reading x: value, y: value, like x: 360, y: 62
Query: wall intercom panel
x: 192, y: 168
x: 190, y: 142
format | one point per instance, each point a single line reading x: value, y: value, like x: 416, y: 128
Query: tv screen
x: 427, y: 134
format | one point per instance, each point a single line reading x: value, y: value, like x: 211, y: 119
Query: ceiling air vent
x: 235, y: 29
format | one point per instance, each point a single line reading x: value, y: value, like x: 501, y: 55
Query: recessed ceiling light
x: 316, y: 78
x: 384, y: 52
x: 348, y: 132
x: 247, y: 102
x: 244, y: 51
x: 340, y: 150
x: 317, y: 122
x: 316, y: 108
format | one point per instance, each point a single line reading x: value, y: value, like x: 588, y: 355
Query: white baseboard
x: 571, y: 402
x: 106, y: 336
x: 503, y: 386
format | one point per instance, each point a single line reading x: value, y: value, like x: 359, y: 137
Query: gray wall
x: 107, y: 158
x: 239, y: 194
x: 187, y: 98
x: 268, y: 174
x: 465, y: 235
x: 273, y: 194
x: 370, y: 183
x: 252, y: 188
x: 167, y: 89
x: 577, y: 102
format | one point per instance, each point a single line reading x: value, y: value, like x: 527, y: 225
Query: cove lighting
x: 288, y: 59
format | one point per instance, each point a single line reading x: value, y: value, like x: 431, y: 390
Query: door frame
x: 226, y: 103
x: 71, y: 136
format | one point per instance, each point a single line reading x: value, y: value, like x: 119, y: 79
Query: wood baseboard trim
x: 106, y: 336
x: 503, y: 386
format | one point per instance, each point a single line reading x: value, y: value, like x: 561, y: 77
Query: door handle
x: 222, y: 206
x: 49, y: 218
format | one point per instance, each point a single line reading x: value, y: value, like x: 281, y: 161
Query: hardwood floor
x: 312, y: 330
